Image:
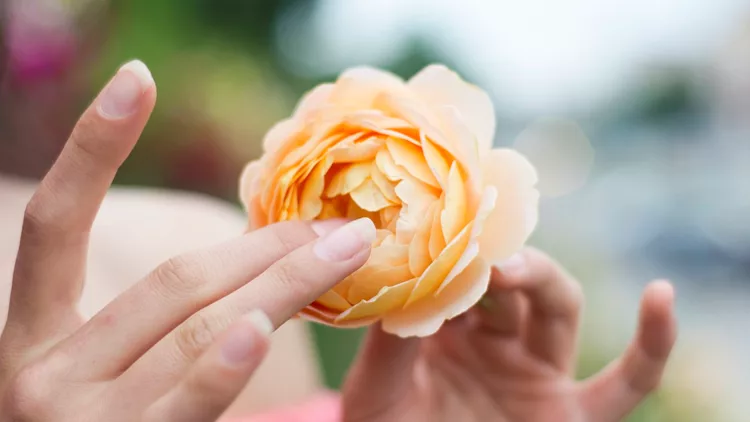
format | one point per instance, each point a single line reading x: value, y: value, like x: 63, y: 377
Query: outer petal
x: 516, y: 209
x: 425, y: 317
x: 248, y: 180
x: 358, y: 87
x: 281, y: 134
x: 438, y: 85
x: 314, y: 100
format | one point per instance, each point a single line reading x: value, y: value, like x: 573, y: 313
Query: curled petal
x: 313, y: 101
x: 453, y: 216
x: 515, y: 215
x: 439, y: 269
x: 249, y: 181
x: 367, y: 282
x: 358, y: 87
x: 411, y: 158
x: 425, y: 317
x: 388, y: 299
x: 369, y: 197
x: 438, y: 85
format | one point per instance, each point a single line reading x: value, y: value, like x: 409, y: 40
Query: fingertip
x: 658, y: 326
x: 246, y: 341
x: 140, y: 70
x: 662, y: 289
x: 659, y: 298
x: 124, y: 95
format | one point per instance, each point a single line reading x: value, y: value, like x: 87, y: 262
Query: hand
x: 182, y: 342
x: 511, y: 358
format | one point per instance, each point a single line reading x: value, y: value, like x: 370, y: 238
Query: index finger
x: 52, y: 253
x: 281, y: 291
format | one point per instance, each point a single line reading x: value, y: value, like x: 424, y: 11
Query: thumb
x: 381, y: 373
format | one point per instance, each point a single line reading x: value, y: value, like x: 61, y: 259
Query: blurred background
x: 636, y: 112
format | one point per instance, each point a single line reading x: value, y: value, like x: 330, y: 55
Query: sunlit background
x: 637, y: 113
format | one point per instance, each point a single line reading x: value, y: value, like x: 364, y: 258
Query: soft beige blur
x: 138, y: 229
x: 416, y: 158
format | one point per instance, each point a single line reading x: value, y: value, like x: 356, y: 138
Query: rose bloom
x: 416, y: 157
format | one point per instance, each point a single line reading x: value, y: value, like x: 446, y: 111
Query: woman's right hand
x: 182, y: 342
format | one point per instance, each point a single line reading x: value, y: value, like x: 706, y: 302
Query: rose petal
x: 334, y: 301
x: 435, y: 274
x: 346, y: 178
x: 369, y: 197
x: 249, y: 182
x: 419, y: 251
x: 425, y: 317
x: 516, y: 210
x: 416, y: 198
x: 386, y: 165
x: 356, y: 151
x: 386, y: 187
x: 310, y: 204
x: 435, y: 160
x: 358, y: 87
x: 312, y: 101
x: 387, y: 299
x: 472, y: 249
x: 282, y: 135
x: 437, y: 240
x: 313, y: 314
x: 368, y: 281
x: 423, y: 118
x: 455, y: 128
x: 453, y: 216
x: 410, y: 158
x: 438, y: 85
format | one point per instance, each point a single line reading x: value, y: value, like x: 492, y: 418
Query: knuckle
x: 29, y: 395
x: 195, y: 335
x: 287, y: 277
x: 179, y: 276
x: 646, y: 383
x: 37, y: 217
x: 290, y: 235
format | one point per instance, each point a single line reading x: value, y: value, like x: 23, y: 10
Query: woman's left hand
x: 511, y: 358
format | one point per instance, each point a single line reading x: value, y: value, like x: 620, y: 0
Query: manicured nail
x: 514, y: 266
x: 346, y: 241
x: 121, y: 95
x: 240, y: 342
x: 323, y: 227
x: 260, y: 321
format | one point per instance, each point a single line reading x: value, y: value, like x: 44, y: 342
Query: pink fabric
x: 324, y: 408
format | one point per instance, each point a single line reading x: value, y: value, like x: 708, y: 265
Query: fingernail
x: 323, y: 227
x: 121, y: 95
x: 240, y: 343
x: 346, y: 241
x: 514, y: 266
x: 260, y: 321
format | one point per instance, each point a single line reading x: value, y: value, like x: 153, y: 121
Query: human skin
x: 169, y: 330
x: 511, y: 358
x: 126, y: 218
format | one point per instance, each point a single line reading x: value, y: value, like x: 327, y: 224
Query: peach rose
x: 416, y: 157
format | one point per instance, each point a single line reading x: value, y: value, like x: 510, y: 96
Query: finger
x: 217, y: 378
x: 618, y: 389
x: 136, y: 320
x: 380, y: 375
x: 50, y: 267
x: 281, y: 291
x: 555, y: 301
x: 501, y: 311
